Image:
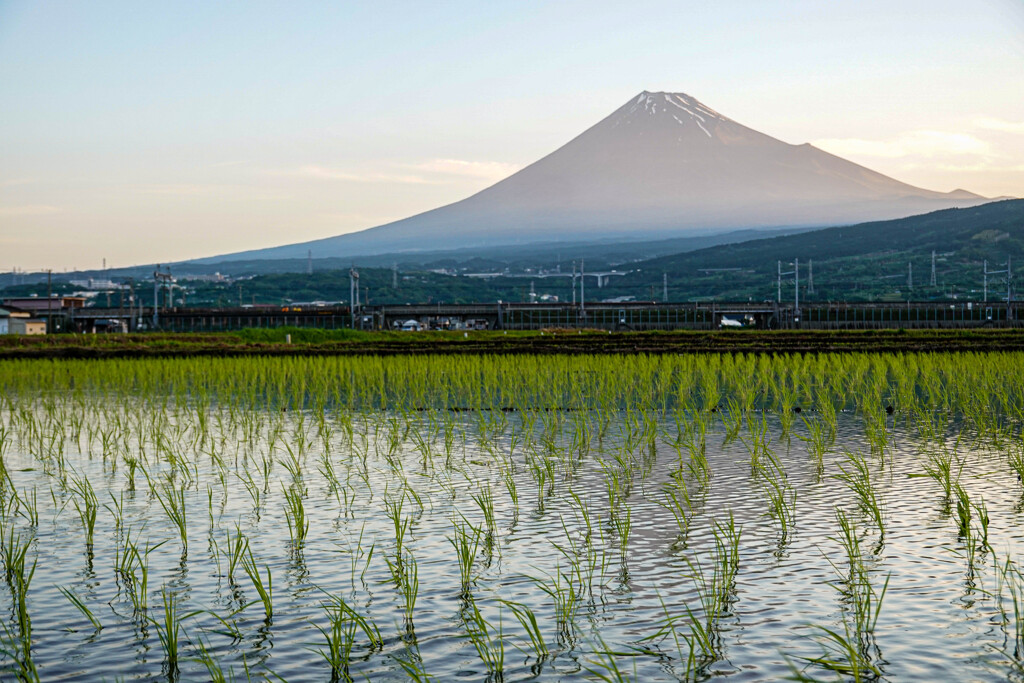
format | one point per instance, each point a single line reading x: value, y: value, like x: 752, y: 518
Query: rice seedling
x: 819, y: 439
x: 686, y: 664
x: 485, y: 501
x: 265, y: 589
x: 1010, y: 580
x: 466, y: 542
x: 400, y: 523
x: 715, y: 590
x: 781, y: 496
x: 487, y: 640
x: 945, y: 467
x: 213, y: 669
x: 18, y: 573
x: 853, y: 651
x: 295, y: 513
x: 344, y: 624
x: 133, y: 568
x: 80, y: 606
x: 169, y: 630
x: 622, y: 523
x: 528, y: 620
x: 855, y: 473
x: 237, y: 546
x: 172, y: 500
x: 567, y: 593
x: 1015, y: 457
x: 412, y: 665
x: 86, y: 505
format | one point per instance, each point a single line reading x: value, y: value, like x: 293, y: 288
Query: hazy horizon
x: 145, y: 133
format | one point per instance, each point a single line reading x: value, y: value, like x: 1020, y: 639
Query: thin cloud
x: 15, y: 182
x: 181, y: 189
x: 327, y: 173
x: 999, y: 125
x: 918, y: 143
x: 433, y: 172
x: 484, y: 170
x: 29, y: 210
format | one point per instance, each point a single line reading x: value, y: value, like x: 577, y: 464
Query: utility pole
x: 810, y: 276
x: 910, y: 275
x: 167, y: 280
x: 353, y: 293
x: 796, y: 289
x: 574, y: 285
x: 583, y: 288
x: 1009, y: 277
x: 664, y: 287
x: 933, y: 268
x: 156, y: 293
x: 984, y: 270
x: 778, y: 284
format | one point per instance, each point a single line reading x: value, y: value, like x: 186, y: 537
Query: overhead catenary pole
x: 933, y: 268
x: 574, y: 285
x: 984, y: 270
x: 583, y: 284
x: 778, y: 284
x: 1009, y: 278
x: 664, y: 287
x: 156, y: 293
x: 796, y: 289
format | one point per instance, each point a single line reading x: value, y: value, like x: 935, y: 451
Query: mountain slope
x: 852, y: 262
x: 661, y: 165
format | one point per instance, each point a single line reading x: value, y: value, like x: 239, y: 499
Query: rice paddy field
x: 508, y: 518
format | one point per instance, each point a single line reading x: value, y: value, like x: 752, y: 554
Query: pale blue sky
x: 143, y: 131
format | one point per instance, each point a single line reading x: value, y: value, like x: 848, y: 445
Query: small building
x: 27, y: 326
x: 13, y: 321
x: 40, y: 304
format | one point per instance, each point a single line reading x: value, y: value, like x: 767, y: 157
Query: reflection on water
x: 426, y: 531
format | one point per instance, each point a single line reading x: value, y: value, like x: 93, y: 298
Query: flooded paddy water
x: 529, y: 518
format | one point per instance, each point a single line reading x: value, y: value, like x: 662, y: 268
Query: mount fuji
x: 661, y: 165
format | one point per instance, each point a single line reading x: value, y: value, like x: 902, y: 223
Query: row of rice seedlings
x: 617, y: 383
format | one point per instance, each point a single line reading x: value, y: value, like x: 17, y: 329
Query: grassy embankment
x: 348, y: 342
